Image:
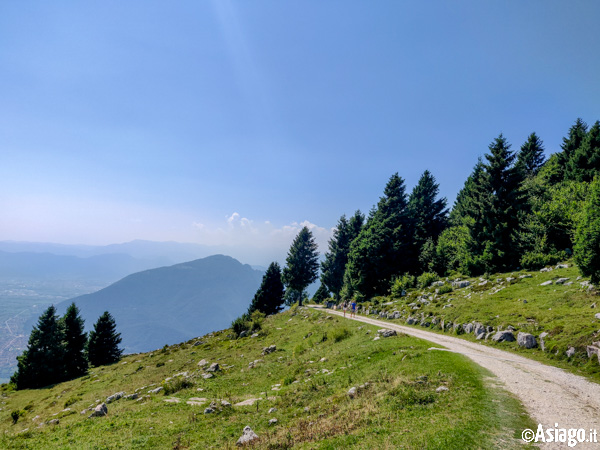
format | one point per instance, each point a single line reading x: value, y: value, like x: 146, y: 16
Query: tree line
x: 60, y: 350
x: 516, y: 209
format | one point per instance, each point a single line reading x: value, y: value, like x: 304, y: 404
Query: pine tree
x: 428, y: 214
x: 531, y: 157
x: 334, y: 265
x: 302, y: 265
x: 586, y: 251
x: 75, y: 340
x: 472, y: 199
x: 500, y: 219
x: 571, y: 143
x: 584, y: 164
x: 269, y: 296
x: 103, y: 343
x: 321, y: 295
x: 382, y: 249
x: 42, y: 363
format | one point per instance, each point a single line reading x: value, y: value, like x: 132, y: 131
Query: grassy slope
x: 399, y: 408
x: 563, y: 311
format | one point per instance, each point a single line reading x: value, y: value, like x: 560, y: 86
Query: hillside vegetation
x: 297, y: 369
x: 558, y: 307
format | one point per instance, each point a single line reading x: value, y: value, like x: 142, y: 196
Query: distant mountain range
x: 172, y: 304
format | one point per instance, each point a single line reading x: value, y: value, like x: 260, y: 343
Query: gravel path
x: 550, y: 395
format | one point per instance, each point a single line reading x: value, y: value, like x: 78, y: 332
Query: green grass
x: 564, y: 312
x: 399, y: 408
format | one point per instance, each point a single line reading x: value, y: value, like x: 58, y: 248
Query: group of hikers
x: 351, y: 305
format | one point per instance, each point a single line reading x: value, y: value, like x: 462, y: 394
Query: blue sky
x: 233, y: 122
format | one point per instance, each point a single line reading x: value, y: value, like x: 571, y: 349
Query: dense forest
x: 516, y: 209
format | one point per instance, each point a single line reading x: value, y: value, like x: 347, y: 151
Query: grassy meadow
x: 317, y: 360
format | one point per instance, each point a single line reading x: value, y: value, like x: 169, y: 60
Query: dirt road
x: 550, y: 395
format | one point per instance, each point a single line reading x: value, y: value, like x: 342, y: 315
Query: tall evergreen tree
x: 587, y: 237
x: 103, y: 344
x: 530, y: 158
x: 42, y: 363
x: 334, y: 265
x: 472, y: 199
x: 571, y: 143
x: 269, y: 297
x: 75, y: 340
x: 302, y: 266
x: 500, y: 219
x: 584, y: 164
x: 382, y: 248
x: 321, y: 295
x: 428, y: 214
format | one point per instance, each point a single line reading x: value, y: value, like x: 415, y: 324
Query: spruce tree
x: 75, y: 340
x: 321, y: 295
x: 584, y: 164
x: 269, y: 296
x: 334, y: 265
x: 103, y: 344
x: 42, y: 363
x: 571, y: 143
x: 586, y: 251
x: 302, y: 265
x: 382, y: 249
x: 428, y: 214
x: 530, y: 158
x: 500, y: 219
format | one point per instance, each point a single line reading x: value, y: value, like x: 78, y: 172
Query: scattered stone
x: 562, y: 280
x: 411, y: 321
x: 593, y: 305
x: 255, y: 335
x: 155, y: 391
x: 272, y: 410
x: 114, y: 397
x: 441, y: 389
x: 273, y: 422
x: 325, y: 359
x: 248, y: 402
x: 53, y: 422
x: 197, y: 401
x: 376, y: 338
x: 562, y: 266
x: 546, y: 269
x: 172, y: 400
x: 352, y: 392
x: 203, y: 363
x: 546, y: 283
x: 468, y: 328
x: 597, y: 316
x: 483, y: 283
x: 247, y: 436
x: 99, y: 411
x: 209, y: 410
x: 214, y: 367
x: 461, y: 284
x: 526, y: 340
x: 542, y: 342
x: 198, y: 343
x: 593, y: 349
x: 225, y: 404
x: 570, y: 352
x: 384, y: 332
x: 244, y: 333
x: 131, y: 396
x: 207, y: 376
x: 503, y: 336
x: 525, y: 275
x: 269, y: 349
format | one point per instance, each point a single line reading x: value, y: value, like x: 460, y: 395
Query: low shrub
x: 445, y: 289
x: 537, y: 260
x: 426, y: 278
x: 177, y: 385
x: 402, y: 284
x: 340, y: 333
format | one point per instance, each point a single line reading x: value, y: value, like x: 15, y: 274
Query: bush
x: 240, y: 324
x: 537, y: 260
x: 587, y: 236
x: 426, y: 278
x: 177, y: 385
x: 445, y: 289
x: 401, y: 284
x: 340, y: 333
x: 16, y: 414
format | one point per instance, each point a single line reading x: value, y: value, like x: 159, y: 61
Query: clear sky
x: 233, y: 122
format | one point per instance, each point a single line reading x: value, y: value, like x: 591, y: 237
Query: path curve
x: 549, y: 394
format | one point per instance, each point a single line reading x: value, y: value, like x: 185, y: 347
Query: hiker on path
x: 344, y: 306
x: 353, y: 310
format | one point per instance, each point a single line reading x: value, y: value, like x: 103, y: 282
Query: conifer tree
x: 269, y: 297
x: 584, y: 164
x: 428, y: 214
x: 103, y: 343
x: 321, y: 295
x: 530, y: 158
x: 302, y: 265
x: 500, y: 219
x: 42, y: 363
x: 571, y: 143
x: 334, y: 265
x: 382, y: 248
x: 75, y: 340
